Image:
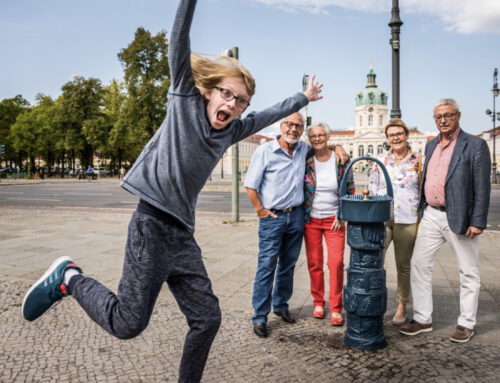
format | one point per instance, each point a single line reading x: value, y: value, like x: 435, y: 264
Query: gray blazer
x: 467, y: 187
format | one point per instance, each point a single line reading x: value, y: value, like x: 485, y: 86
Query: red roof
x: 342, y: 133
x: 490, y: 132
x: 416, y: 131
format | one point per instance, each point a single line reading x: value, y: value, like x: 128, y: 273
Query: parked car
x: 5, y: 171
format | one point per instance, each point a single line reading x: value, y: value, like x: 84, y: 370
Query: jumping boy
x: 205, y: 99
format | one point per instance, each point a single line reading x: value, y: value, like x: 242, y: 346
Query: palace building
x: 370, y: 116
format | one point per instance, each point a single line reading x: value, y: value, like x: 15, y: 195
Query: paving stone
x: 66, y: 346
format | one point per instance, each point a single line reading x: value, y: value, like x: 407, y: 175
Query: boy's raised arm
x: 179, y: 44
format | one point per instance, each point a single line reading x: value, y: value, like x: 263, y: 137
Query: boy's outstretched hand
x: 313, y: 89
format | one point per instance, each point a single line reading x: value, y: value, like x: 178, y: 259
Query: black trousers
x: 158, y: 250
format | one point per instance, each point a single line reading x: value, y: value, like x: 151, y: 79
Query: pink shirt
x: 437, y: 169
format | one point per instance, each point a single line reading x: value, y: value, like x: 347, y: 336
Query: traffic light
x: 2, y: 149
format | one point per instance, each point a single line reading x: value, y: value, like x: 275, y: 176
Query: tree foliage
x: 33, y: 133
x: 147, y: 79
x: 10, y: 108
x: 116, y: 120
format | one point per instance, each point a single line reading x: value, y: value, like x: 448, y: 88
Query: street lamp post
x: 235, y: 173
x: 395, y: 25
x: 494, y: 116
x: 235, y: 189
x: 305, y: 81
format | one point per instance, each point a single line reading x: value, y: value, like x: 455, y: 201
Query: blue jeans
x: 280, y: 240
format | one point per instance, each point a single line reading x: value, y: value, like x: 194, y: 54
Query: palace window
x: 380, y: 149
x: 370, y: 150
x: 370, y: 120
x: 361, y: 151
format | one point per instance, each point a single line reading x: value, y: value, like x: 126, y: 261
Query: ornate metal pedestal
x: 365, y: 294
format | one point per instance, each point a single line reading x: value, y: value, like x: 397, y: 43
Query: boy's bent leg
x: 127, y: 314
x: 192, y: 289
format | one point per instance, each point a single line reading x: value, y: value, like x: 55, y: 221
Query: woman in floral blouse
x: 321, y: 201
x: 404, y: 168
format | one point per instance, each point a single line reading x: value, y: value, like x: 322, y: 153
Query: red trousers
x: 335, y: 242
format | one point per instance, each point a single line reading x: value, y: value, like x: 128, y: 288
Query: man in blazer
x: 454, y: 200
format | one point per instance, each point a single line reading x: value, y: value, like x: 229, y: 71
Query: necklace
x: 402, y: 157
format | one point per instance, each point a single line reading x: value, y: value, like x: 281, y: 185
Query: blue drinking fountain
x: 365, y: 294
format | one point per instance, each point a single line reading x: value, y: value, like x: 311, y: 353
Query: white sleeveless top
x: 326, y: 195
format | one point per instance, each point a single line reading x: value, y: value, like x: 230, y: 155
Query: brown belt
x: 440, y: 208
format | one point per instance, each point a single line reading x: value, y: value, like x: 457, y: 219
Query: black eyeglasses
x: 392, y: 136
x: 228, y: 96
x: 446, y: 116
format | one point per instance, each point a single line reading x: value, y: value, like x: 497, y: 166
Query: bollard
x: 365, y: 294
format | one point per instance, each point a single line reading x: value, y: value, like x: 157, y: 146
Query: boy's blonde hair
x: 208, y: 73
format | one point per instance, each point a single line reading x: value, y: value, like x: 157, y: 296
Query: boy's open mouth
x: 222, y: 116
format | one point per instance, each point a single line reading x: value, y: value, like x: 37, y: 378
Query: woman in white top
x: 404, y: 168
x: 321, y: 201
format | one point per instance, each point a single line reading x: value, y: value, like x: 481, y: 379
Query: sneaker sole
x: 462, y: 340
x: 43, y: 277
x: 416, y: 332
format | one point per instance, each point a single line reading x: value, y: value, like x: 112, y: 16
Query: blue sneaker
x: 48, y: 289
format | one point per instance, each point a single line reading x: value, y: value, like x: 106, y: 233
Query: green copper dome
x: 371, y: 95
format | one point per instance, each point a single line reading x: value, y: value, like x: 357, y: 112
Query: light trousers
x: 432, y: 234
x: 403, y: 236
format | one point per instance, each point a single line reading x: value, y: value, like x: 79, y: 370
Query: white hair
x: 448, y: 101
x: 285, y: 118
x: 320, y: 124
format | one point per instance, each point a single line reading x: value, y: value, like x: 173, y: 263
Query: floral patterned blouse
x: 405, y: 184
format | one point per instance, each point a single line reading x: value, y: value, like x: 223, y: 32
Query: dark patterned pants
x: 158, y: 250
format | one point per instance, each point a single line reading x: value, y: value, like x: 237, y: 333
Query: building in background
x: 487, y: 135
x: 370, y: 117
x: 366, y: 139
x: 246, y: 149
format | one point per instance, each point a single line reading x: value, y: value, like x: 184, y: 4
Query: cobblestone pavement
x: 65, y: 346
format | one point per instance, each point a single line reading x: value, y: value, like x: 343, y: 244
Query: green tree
x: 81, y: 119
x: 33, y: 134
x: 10, y: 108
x: 119, y: 139
x: 50, y: 136
x: 147, y: 79
x: 24, y: 137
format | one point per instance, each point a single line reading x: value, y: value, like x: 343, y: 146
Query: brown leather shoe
x: 414, y: 328
x: 462, y: 334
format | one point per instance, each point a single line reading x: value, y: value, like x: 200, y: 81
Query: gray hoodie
x: 175, y: 164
